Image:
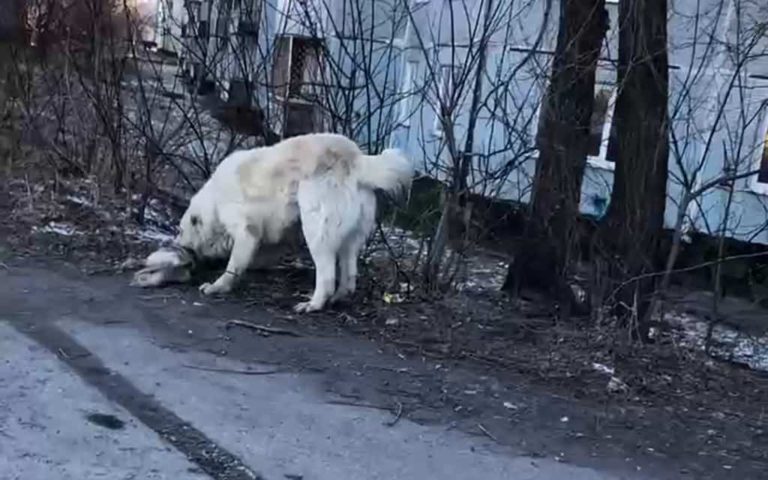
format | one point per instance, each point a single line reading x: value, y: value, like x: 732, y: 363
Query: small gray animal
x: 169, y: 264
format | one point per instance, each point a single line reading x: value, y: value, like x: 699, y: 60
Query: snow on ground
x: 57, y: 228
x: 79, y: 200
x: 726, y: 343
x: 485, y: 271
x: 480, y: 270
x: 150, y: 234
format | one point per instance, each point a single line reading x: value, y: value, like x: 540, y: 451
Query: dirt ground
x: 492, y: 365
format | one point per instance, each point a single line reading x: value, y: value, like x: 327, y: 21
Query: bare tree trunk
x: 544, y: 259
x: 12, y: 42
x: 633, y: 224
x: 12, y: 21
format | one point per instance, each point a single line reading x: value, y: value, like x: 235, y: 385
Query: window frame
x: 291, y: 39
x: 404, y: 112
x: 402, y: 42
x: 600, y: 160
x: 286, y: 24
x: 441, y: 91
x: 755, y: 184
x: 278, y: 92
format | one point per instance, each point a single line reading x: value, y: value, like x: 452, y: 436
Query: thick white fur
x: 254, y: 196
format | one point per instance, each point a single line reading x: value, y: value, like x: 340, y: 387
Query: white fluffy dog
x: 254, y: 196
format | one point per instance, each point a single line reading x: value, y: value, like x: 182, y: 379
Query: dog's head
x: 197, y: 226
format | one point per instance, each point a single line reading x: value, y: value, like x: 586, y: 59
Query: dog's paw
x: 340, y: 296
x: 306, y: 307
x: 213, y: 289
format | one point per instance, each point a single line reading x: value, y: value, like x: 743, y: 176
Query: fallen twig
x: 359, y: 404
x: 158, y: 297
x: 67, y: 356
x: 99, y: 271
x: 388, y: 369
x: 262, y: 329
x: 487, y: 433
x: 113, y: 322
x: 389, y: 423
x: 234, y: 370
x: 398, y: 415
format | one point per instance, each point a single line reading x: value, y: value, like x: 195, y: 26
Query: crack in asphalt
x: 211, y: 458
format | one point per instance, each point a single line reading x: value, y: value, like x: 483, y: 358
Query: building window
x: 407, y: 93
x: 400, y: 28
x: 193, y: 10
x: 760, y: 181
x: 249, y: 10
x: 601, y: 150
x: 401, y: 24
x: 444, y: 95
x: 222, y: 29
x: 762, y: 177
x: 296, y: 69
x: 203, y: 29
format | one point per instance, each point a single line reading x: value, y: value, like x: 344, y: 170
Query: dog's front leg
x: 243, y: 248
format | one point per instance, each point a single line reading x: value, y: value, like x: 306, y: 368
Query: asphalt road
x: 89, y: 390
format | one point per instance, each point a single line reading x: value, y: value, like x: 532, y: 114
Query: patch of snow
x: 603, y: 368
x: 77, y: 199
x: 402, y: 239
x: 616, y: 385
x: 480, y: 271
x: 726, y: 343
x: 155, y: 213
x: 57, y: 228
x: 153, y: 234
x: 150, y: 234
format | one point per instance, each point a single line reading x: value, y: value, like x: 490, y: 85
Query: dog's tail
x: 390, y: 171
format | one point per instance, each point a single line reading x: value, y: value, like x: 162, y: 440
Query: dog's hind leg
x: 353, y: 245
x: 321, y: 206
x: 325, y: 279
x: 243, y: 248
x: 348, y: 255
